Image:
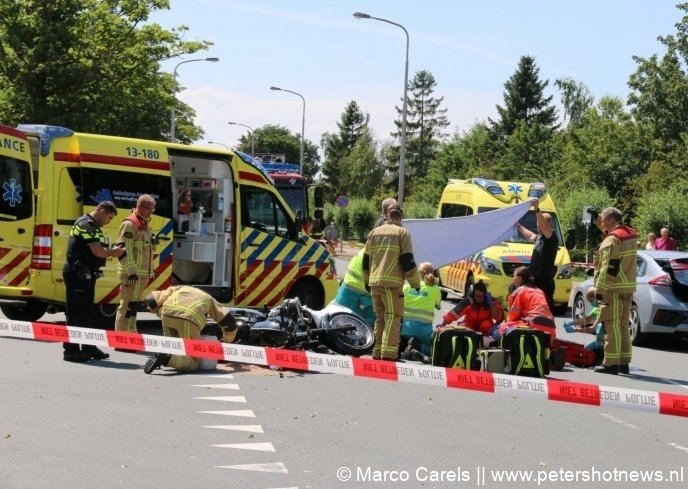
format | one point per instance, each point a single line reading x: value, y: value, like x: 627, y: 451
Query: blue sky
x: 318, y: 49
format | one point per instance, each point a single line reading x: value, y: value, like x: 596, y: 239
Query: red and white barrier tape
x: 546, y: 389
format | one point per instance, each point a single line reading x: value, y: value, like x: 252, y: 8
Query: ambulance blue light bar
x: 46, y: 134
x: 537, y: 190
x: 489, y: 185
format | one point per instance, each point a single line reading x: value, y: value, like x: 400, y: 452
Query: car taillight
x: 662, y: 280
x: 42, y: 247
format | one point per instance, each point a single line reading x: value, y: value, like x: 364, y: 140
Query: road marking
x: 273, y: 467
x: 678, y: 447
x: 676, y: 383
x: 619, y: 421
x: 221, y: 376
x: 261, y: 447
x: 224, y: 398
x: 232, y: 387
x: 245, y: 413
x: 253, y: 428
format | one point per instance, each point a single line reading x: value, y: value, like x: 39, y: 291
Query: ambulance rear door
x: 16, y: 208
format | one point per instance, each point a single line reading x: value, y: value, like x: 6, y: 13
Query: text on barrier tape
x: 547, y: 389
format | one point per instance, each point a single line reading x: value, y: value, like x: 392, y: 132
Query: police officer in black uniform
x: 87, y: 250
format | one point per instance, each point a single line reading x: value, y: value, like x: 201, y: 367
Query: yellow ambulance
x: 495, y: 265
x: 222, y: 225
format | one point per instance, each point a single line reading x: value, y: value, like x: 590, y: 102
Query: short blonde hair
x: 590, y: 293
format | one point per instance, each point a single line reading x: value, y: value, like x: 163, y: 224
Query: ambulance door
x: 268, y: 258
x: 16, y: 208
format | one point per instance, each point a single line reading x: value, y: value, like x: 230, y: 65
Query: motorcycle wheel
x: 355, y: 343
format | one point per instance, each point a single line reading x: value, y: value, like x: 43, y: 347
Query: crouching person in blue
x: 183, y: 310
x: 590, y: 324
x: 352, y: 292
x: 419, y: 313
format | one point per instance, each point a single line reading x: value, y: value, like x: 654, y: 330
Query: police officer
x: 183, y: 310
x: 136, y: 265
x: 87, y: 250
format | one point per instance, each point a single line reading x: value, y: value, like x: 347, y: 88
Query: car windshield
x: 529, y: 221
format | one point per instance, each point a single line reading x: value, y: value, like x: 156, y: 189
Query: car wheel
x: 637, y: 336
x: 578, y: 309
x: 469, y: 286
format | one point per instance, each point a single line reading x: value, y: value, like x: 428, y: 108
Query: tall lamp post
x: 219, y: 144
x: 404, y: 110
x: 173, y: 116
x: 303, y: 125
x: 253, y: 141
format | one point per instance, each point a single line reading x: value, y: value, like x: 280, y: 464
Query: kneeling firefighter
x: 183, y: 310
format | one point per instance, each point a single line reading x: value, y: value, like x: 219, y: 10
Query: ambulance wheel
x: 310, y: 293
x: 31, y: 311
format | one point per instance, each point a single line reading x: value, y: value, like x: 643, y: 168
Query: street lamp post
x: 404, y: 110
x: 303, y: 125
x: 253, y: 141
x: 173, y: 115
x: 219, y: 144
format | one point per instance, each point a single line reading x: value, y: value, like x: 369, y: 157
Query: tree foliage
x: 524, y: 101
x: 93, y: 66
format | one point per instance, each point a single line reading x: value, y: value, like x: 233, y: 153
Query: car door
x: 16, y: 207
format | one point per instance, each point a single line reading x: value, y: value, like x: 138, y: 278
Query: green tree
x: 608, y: 149
x: 425, y: 127
x: 92, y: 65
x: 352, y: 126
x: 276, y: 139
x: 660, y: 94
x: 471, y: 154
x: 361, y: 169
x: 524, y: 101
x: 665, y: 208
x: 576, y: 99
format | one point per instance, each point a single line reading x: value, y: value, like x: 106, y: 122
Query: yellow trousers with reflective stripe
x: 181, y: 328
x: 388, y: 303
x: 615, y: 313
x: 129, y: 293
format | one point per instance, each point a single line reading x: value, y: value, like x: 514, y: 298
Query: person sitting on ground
x: 183, y: 310
x: 590, y: 324
x: 419, y: 312
x: 528, y: 308
x: 479, y: 311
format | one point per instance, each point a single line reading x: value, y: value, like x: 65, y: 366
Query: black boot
x: 156, y: 362
x: 607, y: 369
x: 95, y: 352
x: 624, y: 369
x: 76, y: 356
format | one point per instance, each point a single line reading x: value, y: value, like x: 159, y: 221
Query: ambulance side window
x: 455, y: 210
x: 263, y: 211
x: 123, y: 188
x: 16, y: 194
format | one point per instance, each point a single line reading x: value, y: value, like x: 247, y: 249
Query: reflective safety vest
x: 421, y: 305
x: 353, y: 279
x: 137, y: 238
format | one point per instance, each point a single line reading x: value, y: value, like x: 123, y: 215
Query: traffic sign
x: 342, y: 201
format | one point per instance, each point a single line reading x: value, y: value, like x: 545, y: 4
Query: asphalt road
x: 108, y: 425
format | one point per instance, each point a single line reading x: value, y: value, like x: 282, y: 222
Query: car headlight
x: 490, y: 266
x: 565, y: 271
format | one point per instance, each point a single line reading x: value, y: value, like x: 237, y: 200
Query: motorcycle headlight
x: 565, y: 271
x: 490, y: 266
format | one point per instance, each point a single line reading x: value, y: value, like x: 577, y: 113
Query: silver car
x: 660, y: 302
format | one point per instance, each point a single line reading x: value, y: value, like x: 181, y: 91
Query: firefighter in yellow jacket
x: 136, y: 265
x: 615, y: 279
x: 387, y: 263
x: 183, y: 310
